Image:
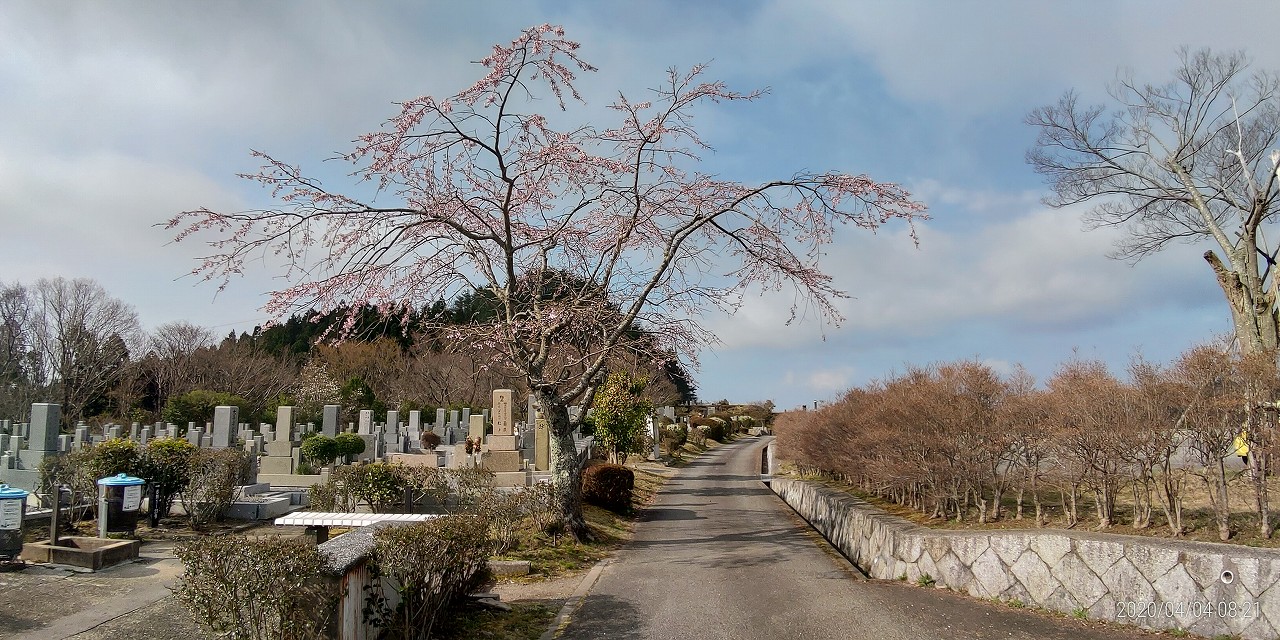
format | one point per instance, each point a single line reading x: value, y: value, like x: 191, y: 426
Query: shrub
x: 114, y: 456
x: 541, y: 505
x: 215, y: 477
x: 428, y: 564
x: 166, y: 464
x: 608, y: 486
x: 379, y: 484
x: 197, y: 406
x: 426, y: 484
x: 472, y: 486
x: 333, y: 496
x: 430, y: 440
x: 698, y: 436
x: 348, y: 445
x: 718, y: 431
x: 71, y: 470
x: 320, y: 450
x: 255, y: 588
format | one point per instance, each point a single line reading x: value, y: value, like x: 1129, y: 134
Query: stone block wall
x: 1205, y: 588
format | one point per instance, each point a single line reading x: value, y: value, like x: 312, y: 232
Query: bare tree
x: 20, y: 367
x: 1211, y: 388
x: 83, y: 335
x: 174, y: 344
x: 589, y: 241
x: 1190, y: 159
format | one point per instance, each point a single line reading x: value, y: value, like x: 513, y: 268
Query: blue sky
x: 117, y: 115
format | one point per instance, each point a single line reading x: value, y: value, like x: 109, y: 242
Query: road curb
x: 571, y: 605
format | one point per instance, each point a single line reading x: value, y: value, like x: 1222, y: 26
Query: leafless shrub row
x: 957, y: 440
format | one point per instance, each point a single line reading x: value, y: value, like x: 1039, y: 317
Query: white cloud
x: 95, y: 216
x: 1036, y: 271
x: 973, y: 58
x: 827, y: 381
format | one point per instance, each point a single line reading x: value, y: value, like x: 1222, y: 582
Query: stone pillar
x: 329, y: 424
x: 284, y: 423
x: 366, y: 422
x: 542, y: 445
x: 43, y: 434
x: 225, y: 421
x: 655, y: 427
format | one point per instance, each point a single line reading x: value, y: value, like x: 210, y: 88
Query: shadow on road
x: 668, y: 514
x: 603, y: 616
x: 719, y: 492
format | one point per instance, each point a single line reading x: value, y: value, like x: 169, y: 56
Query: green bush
x: 428, y: 565
x: 718, y: 431
x: 268, y: 588
x: 608, y: 486
x: 320, y: 450
x: 197, y: 406
x: 381, y: 485
x: 348, y: 444
x: 115, y: 456
x: 166, y: 465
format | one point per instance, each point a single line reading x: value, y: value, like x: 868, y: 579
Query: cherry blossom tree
x: 592, y: 241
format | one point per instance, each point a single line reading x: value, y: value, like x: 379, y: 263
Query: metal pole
x: 53, y: 518
x: 102, y: 511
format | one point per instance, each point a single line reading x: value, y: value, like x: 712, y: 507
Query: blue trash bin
x: 13, y: 506
x: 121, y: 495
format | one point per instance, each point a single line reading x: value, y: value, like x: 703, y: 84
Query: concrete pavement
x: 718, y: 556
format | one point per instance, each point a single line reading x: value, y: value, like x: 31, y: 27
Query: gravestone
x: 503, y: 456
x: 414, y: 434
x: 329, y: 425
x: 113, y: 432
x: 284, y: 423
x: 144, y: 436
x: 225, y: 419
x: 193, y: 434
x: 393, y: 421
x: 542, y: 445
x: 440, y: 424
x: 133, y: 431
x: 475, y: 429
x: 280, y: 458
x: 366, y: 422
x: 42, y: 431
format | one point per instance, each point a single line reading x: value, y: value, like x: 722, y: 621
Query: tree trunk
x: 1253, y: 309
x: 1221, y: 507
x: 566, y: 472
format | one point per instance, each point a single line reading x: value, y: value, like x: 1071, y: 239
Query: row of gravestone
x: 521, y: 445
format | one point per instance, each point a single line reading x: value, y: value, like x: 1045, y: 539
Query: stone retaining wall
x: 1151, y: 582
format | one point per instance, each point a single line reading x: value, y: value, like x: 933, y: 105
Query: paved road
x: 720, y: 556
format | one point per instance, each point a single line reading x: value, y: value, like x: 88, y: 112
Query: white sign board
x: 132, y: 497
x: 10, y: 515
